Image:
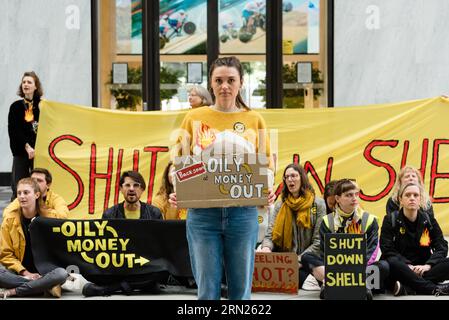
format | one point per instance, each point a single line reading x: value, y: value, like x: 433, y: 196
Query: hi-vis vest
x: 367, y: 220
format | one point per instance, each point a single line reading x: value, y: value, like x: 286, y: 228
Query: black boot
x: 91, y: 290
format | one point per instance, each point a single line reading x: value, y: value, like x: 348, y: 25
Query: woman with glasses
x: 294, y: 226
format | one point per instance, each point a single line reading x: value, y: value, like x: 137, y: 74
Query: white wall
x: 40, y: 35
x: 390, y: 50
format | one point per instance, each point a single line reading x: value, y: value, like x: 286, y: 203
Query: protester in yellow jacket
x: 17, y: 268
x: 51, y: 201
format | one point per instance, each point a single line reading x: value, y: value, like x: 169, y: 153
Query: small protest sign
x: 345, y: 265
x: 221, y: 181
x: 276, y: 272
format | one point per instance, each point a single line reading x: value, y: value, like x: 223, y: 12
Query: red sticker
x: 191, y: 171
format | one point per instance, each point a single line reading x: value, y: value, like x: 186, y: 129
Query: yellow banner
x: 87, y: 149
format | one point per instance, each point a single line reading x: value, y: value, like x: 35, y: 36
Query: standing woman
x: 223, y: 237
x: 199, y: 97
x: 23, y: 119
x: 18, y: 273
x: 295, y: 224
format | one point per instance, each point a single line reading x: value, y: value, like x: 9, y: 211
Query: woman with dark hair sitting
x: 294, y: 226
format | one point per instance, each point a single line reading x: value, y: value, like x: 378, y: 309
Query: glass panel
x: 301, y: 26
x: 301, y: 95
x: 183, y: 26
x: 253, y: 90
x: 121, y: 21
x: 129, y: 26
x: 241, y: 26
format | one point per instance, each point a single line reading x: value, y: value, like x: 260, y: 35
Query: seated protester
x: 161, y: 199
x: 132, y: 186
x: 52, y: 202
x: 348, y: 217
x: 413, y: 244
x: 408, y: 174
x: 18, y: 273
x: 294, y: 226
x: 329, y: 196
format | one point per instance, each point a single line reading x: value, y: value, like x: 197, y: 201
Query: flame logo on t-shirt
x: 29, y: 116
x: 425, y: 238
x: 354, y: 228
x: 205, y: 136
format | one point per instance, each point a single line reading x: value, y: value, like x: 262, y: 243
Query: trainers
x: 90, y: 290
x: 55, y: 291
x: 4, y: 293
x: 441, y: 290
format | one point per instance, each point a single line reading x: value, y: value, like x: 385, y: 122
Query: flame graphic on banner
x: 425, y: 238
x: 205, y: 136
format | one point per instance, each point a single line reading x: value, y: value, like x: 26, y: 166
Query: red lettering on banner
x: 308, y: 167
x: 136, y: 160
x: 117, y: 175
x: 51, y: 152
x: 434, y: 174
x: 405, y: 153
x: 391, y: 173
x: 93, y: 176
x: 154, y: 151
x: 424, y: 152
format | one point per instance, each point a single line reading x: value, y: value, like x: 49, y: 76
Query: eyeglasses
x: 291, y: 176
x: 129, y: 185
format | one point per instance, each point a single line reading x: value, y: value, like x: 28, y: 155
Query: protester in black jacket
x: 408, y: 174
x: 132, y: 186
x: 413, y: 244
x: 23, y: 119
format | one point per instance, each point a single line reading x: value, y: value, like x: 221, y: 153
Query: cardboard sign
x: 276, y: 272
x: 345, y: 265
x: 221, y: 181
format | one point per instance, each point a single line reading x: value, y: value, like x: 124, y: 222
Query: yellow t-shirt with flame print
x: 203, y: 127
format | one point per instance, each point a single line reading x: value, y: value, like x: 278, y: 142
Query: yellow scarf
x: 282, y: 230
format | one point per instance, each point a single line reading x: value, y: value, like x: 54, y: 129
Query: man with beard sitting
x: 132, y: 185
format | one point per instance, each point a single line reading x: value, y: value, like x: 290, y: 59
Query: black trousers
x: 21, y: 167
x: 400, y: 271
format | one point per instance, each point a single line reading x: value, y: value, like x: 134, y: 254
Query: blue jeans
x: 26, y: 287
x: 222, y: 237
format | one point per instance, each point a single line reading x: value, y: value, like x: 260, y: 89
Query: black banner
x: 345, y: 264
x: 111, y: 248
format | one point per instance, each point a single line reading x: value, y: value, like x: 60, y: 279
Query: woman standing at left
x: 23, y: 119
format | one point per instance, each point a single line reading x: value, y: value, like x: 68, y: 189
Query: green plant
x: 128, y: 98
x: 170, y: 77
x: 294, y: 98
